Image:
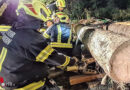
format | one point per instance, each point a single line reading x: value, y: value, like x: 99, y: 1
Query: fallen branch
x: 84, y: 78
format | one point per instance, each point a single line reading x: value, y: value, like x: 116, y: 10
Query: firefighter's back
x: 17, y: 59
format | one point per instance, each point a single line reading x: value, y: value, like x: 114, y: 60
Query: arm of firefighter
x: 59, y: 60
x: 42, y: 52
x: 51, y: 57
x: 47, y: 33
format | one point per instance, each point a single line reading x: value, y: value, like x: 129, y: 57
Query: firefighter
x: 59, y: 36
x: 60, y: 5
x: 25, y: 55
x: 57, y: 6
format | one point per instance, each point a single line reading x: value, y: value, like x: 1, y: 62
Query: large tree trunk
x: 111, y: 51
x: 122, y: 28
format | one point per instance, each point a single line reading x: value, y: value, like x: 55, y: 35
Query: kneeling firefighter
x: 59, y: 36
x: 25, y: 55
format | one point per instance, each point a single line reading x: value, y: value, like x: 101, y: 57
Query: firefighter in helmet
x: 57, y: 6
x: 25, y: 55
x: 60, y: 36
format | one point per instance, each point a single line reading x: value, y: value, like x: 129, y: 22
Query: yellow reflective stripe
x: 2, y: 57
x: 33, y: 86
x: 27, y: 10
x: 66, y: 62
x: 47, y: 11
x: 69, y: 40
x: 44, y: 54
x: 59, y: 33
x: 40, y: 6
x: 4, y: 28
x: 2, y: 8
x: 61, y: 45
x: 42, y: 30
x: 46, y: 35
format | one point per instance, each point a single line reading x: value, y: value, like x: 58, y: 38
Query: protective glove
x: 82, y: 67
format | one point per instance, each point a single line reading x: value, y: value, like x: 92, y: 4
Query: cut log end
x: 120, y: 64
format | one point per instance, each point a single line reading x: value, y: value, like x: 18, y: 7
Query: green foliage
x: 121, y: 14
x: 83, y: 9
x: 76, y: 9
x: 112, y: 9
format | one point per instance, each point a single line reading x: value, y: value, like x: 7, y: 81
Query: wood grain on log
x: 84, y: 78
x: 110, y: 50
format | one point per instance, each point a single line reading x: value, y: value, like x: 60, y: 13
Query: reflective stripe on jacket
x: 4, y: 28
x: 26, y: 54
x: 60, y: 36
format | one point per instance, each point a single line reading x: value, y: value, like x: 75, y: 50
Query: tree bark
x: 110, y: 50
x: 122, y: 28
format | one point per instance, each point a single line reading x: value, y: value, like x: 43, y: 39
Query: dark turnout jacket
x: 25, y: 54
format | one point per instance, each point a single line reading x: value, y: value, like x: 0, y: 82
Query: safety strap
x: 61, y: 45
x: 4, y: 28
x: 65, y: 63
x: 44, y: 54
x: 33, y: 86
x: 2, y: 56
